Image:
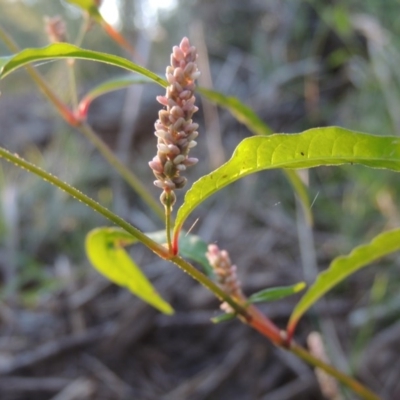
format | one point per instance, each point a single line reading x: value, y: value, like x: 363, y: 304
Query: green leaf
x: 89, y: 6
x: 104, y: 247
x: 223, y: 318
x: 257, y: 126
x: 312, y: 148
x: 240, y: 111
x: 109, y: 86
x: 55, y: 51
x: 276, y: 293
x: 190, y: 246
x: 115, y: 84
x: 342, y: 267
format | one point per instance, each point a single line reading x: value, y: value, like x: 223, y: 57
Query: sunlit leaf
x: 276, y: 293
x: 253, y: 122
x: 342, y: 267
x: 65, y: 50
x: 240, y: 111
x: 90, y: 6
x: 312, y: 148
x: 104, y: 248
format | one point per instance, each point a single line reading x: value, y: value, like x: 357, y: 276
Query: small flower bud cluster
x: 225, y: 272
x: 174, y: 128
x: 56, y: 29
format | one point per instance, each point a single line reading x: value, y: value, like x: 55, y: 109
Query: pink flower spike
x: 174, y: 128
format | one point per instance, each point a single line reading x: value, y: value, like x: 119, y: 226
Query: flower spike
x: 174, y: 128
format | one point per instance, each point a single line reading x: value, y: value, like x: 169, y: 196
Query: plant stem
x: 72, y: 83
x: 160, y: 250
x: 20, y: 162
x: 168, y: 209
x: 250, y: 315
x: 123, y: 170
x: 83, y: 29
x: 210, y: 285
x: 346, y: 380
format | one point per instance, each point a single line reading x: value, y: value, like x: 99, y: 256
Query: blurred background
x: 66, y: 333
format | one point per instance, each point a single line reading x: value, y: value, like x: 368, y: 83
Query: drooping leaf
x: 342, y: 267
x: 312, y: 148
x: 65, y: 50
x: 276, y: 293
x: 104, y: 247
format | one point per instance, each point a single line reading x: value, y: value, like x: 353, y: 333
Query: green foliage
x: 104, y: 247
x: 190, y: 246
x: 55, y: 51
x: 223, y: 318
x: 240, y: 111
x: 312, y: 148
x: 344, y: 266
x: 276, y: 293
x: 105, y: 250
x: 111, y: 85
x: 330, y: 146
x: 89, y: 6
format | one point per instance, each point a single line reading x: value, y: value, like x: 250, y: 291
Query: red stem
x: 265, y: 326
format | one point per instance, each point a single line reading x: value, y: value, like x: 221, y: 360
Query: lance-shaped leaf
x: 276, y: 293
x: 191, y: 246
x: 65, y: 50
x: 104, y: 248
x: 257, y: 126
x: 312, y: 148
x: 240, y: 111
x: 109, y: 86
x: 341, y: 268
